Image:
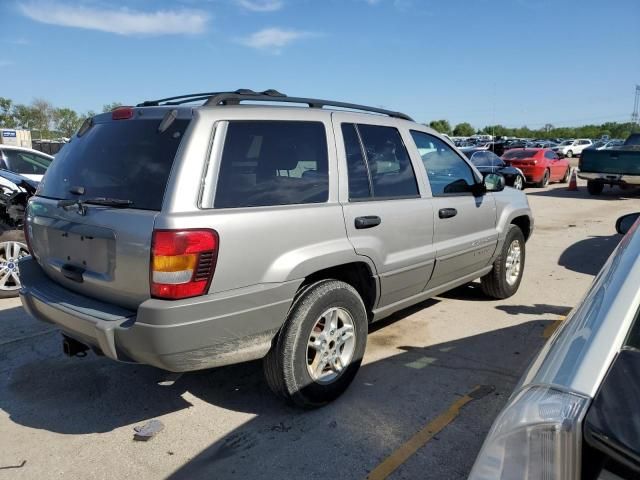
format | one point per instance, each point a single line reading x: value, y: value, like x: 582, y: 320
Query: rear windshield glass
x: 520, y: 154
x: 273, y: 163
x: 123, y: 159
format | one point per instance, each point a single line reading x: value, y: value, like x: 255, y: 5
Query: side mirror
x: 625, y: 222
x: 494, y: 182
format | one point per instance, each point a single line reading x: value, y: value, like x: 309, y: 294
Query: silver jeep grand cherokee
x: 188, y: 237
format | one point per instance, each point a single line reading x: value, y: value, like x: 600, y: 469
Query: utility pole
x: 635, y: 116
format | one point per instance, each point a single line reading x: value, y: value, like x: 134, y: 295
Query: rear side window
x: 273, y: 163
x: 359, y: 185
x: 123, y: 159
x: 392, y: 174
x: 26, y: 163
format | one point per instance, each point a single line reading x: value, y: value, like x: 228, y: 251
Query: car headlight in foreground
x: 537, y: 436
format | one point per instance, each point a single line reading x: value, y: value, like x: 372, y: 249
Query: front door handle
x: 368, y: 221
x: 447, y: 212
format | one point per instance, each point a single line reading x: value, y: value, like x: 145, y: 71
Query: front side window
x: 273, y: 163
x: 550, y: 155
x: 448, y: 173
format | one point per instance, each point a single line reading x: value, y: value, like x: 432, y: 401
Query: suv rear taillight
x: 182, y: 262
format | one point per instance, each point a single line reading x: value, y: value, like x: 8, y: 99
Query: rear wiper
x: 104, y: 201
x: 108, y: 202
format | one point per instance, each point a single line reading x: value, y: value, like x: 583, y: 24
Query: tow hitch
x: 73, y: 348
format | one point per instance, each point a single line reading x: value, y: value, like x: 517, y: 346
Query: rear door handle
x: 447, y: 212
x: 368, y: 221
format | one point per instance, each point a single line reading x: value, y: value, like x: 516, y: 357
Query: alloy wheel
x: 10, y: 253
x: 330, y: 345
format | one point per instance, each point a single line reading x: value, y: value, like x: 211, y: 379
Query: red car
x: 539, y: 165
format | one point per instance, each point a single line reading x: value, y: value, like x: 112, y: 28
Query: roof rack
x: 242, y: 95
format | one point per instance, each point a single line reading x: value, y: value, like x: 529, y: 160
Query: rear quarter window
x: 266, y: 163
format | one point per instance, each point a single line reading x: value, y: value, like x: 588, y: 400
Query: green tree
x: 441, y: 126
x: 6, y: 116
x: 66, y: 121
x: 463, y: 129
x: 110, y: 106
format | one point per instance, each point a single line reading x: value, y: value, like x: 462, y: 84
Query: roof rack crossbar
x: 241, y: 95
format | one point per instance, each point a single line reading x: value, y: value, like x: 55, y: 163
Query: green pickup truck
x: 619, y: 166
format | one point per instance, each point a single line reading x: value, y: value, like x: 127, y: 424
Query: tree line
x: 613, y: 129
x: 46, y: 121
x: 43, y: 119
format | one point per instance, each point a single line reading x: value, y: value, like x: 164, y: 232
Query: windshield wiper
x: 103, y: 201
x: 108, y: 202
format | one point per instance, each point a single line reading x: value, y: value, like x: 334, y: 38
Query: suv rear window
x: 123, y: 159
x: 273, y: 163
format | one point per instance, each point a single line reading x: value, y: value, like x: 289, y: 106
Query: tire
x: 567, y: 174
x: 518, y: 183
x: 288, y: 365
x: 595, y: 187
x: 569, y: 154
x: 12, y: 244
x: 545, y: 180
x: 498, y: 283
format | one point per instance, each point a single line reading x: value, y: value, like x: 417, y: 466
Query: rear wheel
x: 12, y: 248
x: 545, y: 180
x: 504, y: 279
x: 518, y: 183
x: 594, y: 187
x: 319, y: 349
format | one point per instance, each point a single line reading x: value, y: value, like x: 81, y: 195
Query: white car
x: 571, y: 148
x: 25, y: 161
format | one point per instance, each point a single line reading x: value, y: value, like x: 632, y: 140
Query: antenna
x: 635, y: 116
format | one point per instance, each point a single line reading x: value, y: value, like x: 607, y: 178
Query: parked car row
x: 538, y: 166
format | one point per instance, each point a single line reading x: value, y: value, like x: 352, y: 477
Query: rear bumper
x: 178, y: 336
x: 611, y: 178
x: 531, y: 174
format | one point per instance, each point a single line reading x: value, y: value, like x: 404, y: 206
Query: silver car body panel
x: 580, y: 352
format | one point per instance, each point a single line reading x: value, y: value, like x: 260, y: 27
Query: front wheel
x: 569, y: 154
x: 12, y: 248
x: 504, y: 279
x: 319, y: 349
x: 567, y: 174
x: 518, y: 183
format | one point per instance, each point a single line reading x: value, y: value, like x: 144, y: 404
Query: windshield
x: 124, y: 159
x: 567, y: 142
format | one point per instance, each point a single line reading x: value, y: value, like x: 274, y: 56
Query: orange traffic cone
x: 573, y: 183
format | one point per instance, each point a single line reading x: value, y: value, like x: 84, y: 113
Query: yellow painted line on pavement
x: 552, y: 327
x: 420, y: 439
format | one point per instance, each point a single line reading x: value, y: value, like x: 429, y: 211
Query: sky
x: 512, y: 62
